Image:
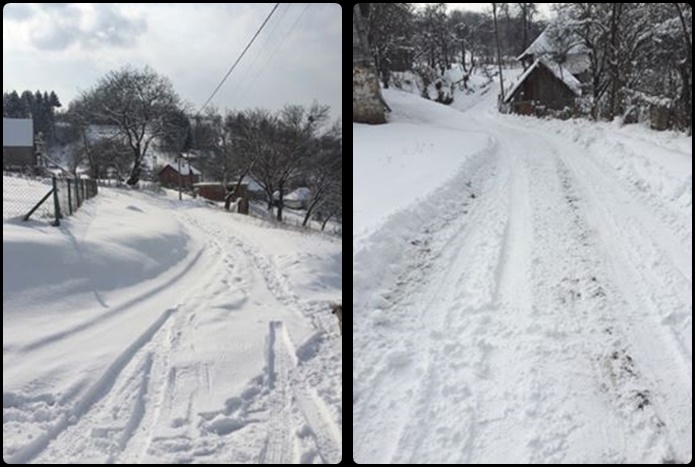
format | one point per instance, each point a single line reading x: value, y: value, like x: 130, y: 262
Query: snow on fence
x: 24, y: 197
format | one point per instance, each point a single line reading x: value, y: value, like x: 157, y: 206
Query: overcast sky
x: 543, y: 8
x: 68, y: 47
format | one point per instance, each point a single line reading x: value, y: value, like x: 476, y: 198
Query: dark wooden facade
x: 217, y: 192
x: 540, y: 88
x: 18, y: 157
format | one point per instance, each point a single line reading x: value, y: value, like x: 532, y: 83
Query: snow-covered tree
x: 389, y: 32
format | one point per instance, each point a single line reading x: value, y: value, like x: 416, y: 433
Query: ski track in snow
x: 142, y: 408
x: 543, y: 315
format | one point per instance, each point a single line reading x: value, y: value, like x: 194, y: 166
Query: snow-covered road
x: 534, y: 308
x: 146, y: 330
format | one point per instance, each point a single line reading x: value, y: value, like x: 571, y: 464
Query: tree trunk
x: 280, y: 203
x: 308, y: 212
x: 524, y: 27
x: 686, y: 74
x: 613, y: 104
x: 325, y: 221
x: 463, y: 55
x: 499, y: 58
x: 135, y: 173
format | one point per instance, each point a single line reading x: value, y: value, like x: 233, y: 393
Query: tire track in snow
x: 278, y: 444
x: 142, y: 366
x: 97, y: 391
x: 293, y: 403
x: 324, y: 430
x: 658, y: 346
x: 151, y: 444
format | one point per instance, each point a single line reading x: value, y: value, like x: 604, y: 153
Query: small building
x: 297, y: 199
x: 544, y: 84
x: 169, y: 176
x: 555, y: 66
x: 215, y: 191
x: 18, y: 143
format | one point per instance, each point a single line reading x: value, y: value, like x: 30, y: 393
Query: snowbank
x: 396, y: 165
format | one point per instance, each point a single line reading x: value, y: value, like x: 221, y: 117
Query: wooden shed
x: 543, y: 84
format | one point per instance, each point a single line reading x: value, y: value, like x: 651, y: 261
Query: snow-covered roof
x: 17, y: 132
x: 538, y: 47
x: 544, y: 45
x: 300, y: 194
x: 186, y: 169
x: 556, y: 69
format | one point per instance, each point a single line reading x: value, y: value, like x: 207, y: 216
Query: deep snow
x: 148, y: 330
x: 522, y: 289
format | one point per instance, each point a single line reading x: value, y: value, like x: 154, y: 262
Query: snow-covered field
x: 148, y: 330
x: 522, y: 289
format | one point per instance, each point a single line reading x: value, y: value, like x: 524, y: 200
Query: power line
x: 277, y: 46
x: 243, y: 78
x: 238, y: 59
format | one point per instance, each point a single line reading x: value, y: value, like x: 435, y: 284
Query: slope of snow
x: 415, y: 157
x: 536, y: 305
x: 148, y: 330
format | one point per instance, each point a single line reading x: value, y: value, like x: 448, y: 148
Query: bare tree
x: 324, y: 170
x: 101, y: 152
x: 526, y: 12
x: 279, y: 145
x: 140, y: 103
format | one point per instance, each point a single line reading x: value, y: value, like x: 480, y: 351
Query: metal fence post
x: 56, y: 203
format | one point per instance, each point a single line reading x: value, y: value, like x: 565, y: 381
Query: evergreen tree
x: 53, y: 100
x: 14, y: 106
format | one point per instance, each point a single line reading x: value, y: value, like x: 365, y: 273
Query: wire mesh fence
x: 20, y: 193
x: 37, y: 197
x: 73, y: 192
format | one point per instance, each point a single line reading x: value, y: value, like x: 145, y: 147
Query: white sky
x: 543, y: 8
x: 68, y: 47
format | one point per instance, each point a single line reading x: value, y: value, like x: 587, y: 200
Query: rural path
x: 542, y: 314
x: 175, y: 393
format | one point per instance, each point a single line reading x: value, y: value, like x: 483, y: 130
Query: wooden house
x: 169, y: 176
x: 555, y: 66
x: 18, y: 143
